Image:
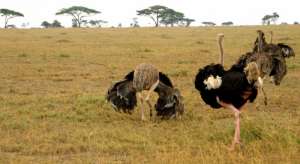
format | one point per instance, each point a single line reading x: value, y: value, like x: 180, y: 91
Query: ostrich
x: 228, y: 88
x: 269, y: 57
x: 123, y: 94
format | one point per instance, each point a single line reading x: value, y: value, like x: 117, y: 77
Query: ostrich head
x: 253, y: 74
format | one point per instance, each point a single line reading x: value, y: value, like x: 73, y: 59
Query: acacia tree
x: 78, y: 13
x: 97, y: 23
x: 171, y: 17
x: 209, y: 23
x: 274, y: 17
x: 154, y: 12
x: 135, y: 22
x: 55, y: 24
x: 229, y: 23
x: 187, y: 21
x: 46, y: 24
x: 267, y: 19
x: 9, y: 14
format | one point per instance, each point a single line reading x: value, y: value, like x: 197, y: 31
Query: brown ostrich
x: 269, y: 57
x: 146, y: 77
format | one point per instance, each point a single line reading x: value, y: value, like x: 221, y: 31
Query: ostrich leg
x: 142, y: 105
x: 265, y: 96
x: 152, y: 88
x: 236, y: 138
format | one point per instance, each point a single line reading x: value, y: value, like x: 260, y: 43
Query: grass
x: 53, y: 108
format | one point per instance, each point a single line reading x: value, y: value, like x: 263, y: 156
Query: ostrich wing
x: 122, y: 95
x: 165, y: 79
x: 169, y: 102
x: 208, y: 95
x: 287, y: 51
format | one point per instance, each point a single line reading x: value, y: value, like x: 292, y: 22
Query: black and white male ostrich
x: 230, y: 89
x: 122, y: 94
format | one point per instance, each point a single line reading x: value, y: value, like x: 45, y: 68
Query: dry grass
x: 53, y: 109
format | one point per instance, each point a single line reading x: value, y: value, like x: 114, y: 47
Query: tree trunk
x: 6, y: 22
x: 79, y: 21
x: 156, y: 24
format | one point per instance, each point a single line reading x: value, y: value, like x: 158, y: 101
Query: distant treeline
x: 160, y: 15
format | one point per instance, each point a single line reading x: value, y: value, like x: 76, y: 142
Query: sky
x: 241, y: 12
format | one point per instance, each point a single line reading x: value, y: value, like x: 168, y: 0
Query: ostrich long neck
x: 260, y: 41
x: 271, y: 37
x: 220, y: 43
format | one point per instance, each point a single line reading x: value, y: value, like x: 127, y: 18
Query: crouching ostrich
x: 228, y: 88
x: 122, y: 94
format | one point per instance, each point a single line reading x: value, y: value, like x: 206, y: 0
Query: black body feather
x: 209, y: 96
x: 165, y: 79
x: 169, y: 103
x: 122, y: 95
x: 287, y: 51
x: 234, y: 89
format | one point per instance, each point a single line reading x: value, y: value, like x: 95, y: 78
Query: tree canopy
x: 187, y: 21
x: 154, y: 12
x: 164, y: 15
x: 79, y: 13
x: 171, y: 17
x: 209, y: 23
x: 55, y: 24
x: 229, y: 23
x: 9, y: 14
x: 97, y: 23
x: 46, y: 24
x: 135, y: 22
x: 267, y: 19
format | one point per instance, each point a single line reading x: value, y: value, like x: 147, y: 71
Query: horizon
x: 249, y: 13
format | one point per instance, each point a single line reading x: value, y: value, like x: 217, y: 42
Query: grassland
x: 53, y: 109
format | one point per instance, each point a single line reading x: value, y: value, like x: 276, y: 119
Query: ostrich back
x: 145, y: 75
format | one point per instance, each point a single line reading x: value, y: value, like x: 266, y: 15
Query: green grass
x: 53, y: 109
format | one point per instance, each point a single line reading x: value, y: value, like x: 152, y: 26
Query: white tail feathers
x: 213, y: 82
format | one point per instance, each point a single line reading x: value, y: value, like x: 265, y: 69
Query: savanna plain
x: 53, y: 109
